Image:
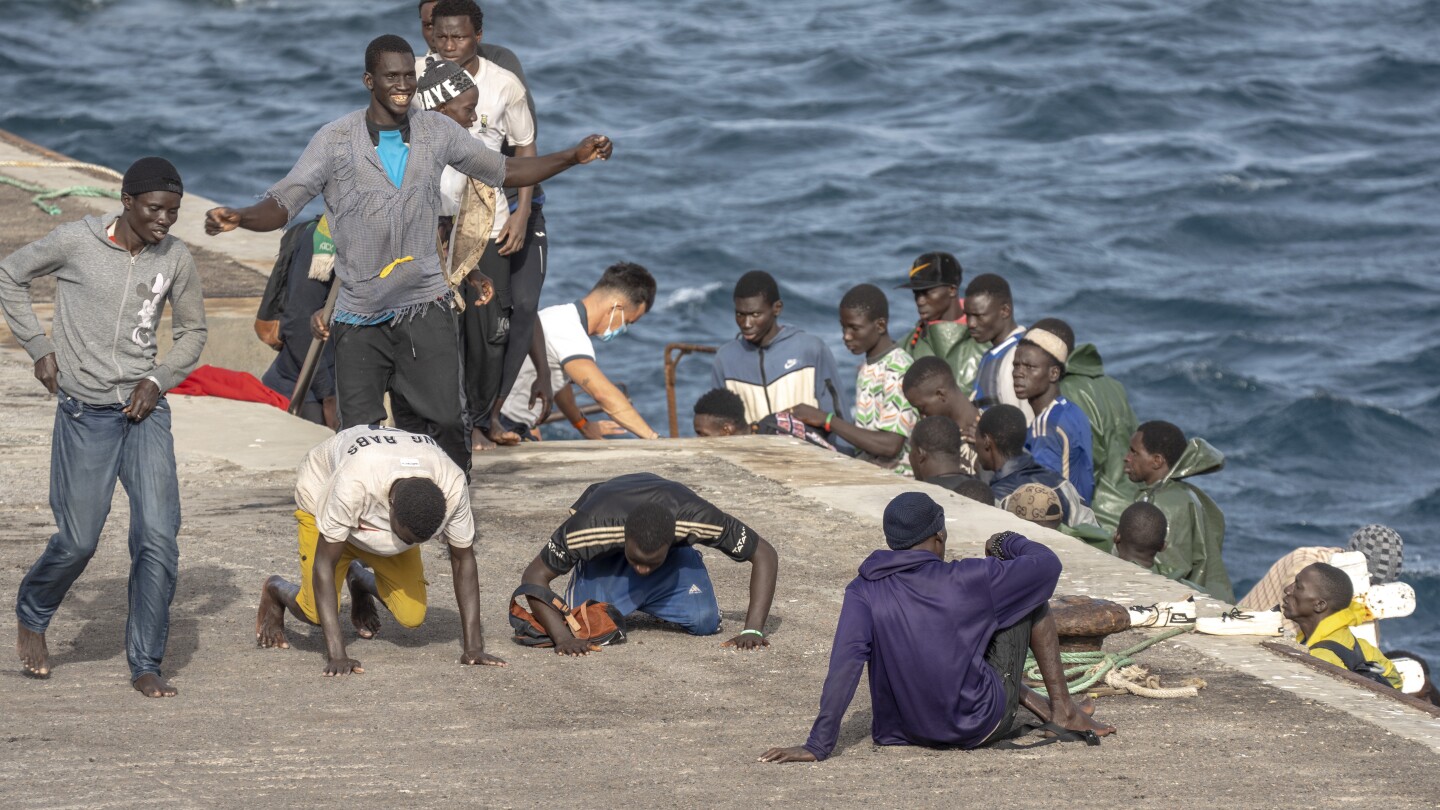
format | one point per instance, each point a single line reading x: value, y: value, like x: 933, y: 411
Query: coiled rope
x: 42, y: 194
x: 1090, y: 667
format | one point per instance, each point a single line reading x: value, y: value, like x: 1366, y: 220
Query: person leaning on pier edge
x: 379, y: 172
x: 112, y: 420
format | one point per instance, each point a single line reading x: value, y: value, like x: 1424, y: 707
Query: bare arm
x: 266, y: 215
x: 764, y: 565
x: 512, y: 235
x: 880, y: 443
x: 327, y: 608
x: 538, y: 573
x: 589, y: 377
x: 527, y: 171
x: 467, y: 596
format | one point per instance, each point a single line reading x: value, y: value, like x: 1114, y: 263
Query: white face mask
x: 611, y: 332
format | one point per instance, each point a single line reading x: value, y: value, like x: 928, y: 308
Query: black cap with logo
x: 936, y: 269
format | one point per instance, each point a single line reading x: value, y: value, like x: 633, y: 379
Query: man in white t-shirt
x: 622, y: 296
x: 374, y: 494
x: 497, y: 335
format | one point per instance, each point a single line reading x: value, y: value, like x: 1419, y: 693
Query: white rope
x: 1137, y: 680
x: 63, y: 164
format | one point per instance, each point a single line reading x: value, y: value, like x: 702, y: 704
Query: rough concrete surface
x: 665, y: 720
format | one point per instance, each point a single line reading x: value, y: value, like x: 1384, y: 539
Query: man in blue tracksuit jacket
x: 771, y: 367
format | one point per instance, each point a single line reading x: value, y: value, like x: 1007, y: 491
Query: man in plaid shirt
x: 379, y: 172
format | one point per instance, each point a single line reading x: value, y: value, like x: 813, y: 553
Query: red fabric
x: 213, y: 381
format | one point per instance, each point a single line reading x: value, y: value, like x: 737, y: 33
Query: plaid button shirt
x: 373, y: 222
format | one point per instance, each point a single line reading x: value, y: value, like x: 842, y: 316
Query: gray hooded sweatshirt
x: 108, y: 305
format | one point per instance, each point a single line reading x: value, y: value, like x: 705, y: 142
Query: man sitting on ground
x: 1112, y: 422
x: 930, y: 386
x: 1159, y: 460
x: 883, y: 417
x: 1000, y: 447
x: 944, y: 641
x: 1319, y: 601
x: 374, y: 494
x: 935, y: 453
x: 1140, y: 535
x: 1382, y: 546
x: 990, y: 314
x: 1059, y: 436
x: 773, y: 367
x: 942, y: 331
x: 630, y: 542
x: 622, y: 296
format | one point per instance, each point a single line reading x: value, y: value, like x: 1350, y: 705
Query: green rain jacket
x: 1195, y: 534
x: 1112, y: 423
x: 950, y: 341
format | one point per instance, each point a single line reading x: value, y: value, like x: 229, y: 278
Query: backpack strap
x: 1351, y: 659
x: 550, y: 598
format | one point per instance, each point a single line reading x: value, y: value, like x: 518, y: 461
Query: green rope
x: 49, y: 194
x: 1092, y: 666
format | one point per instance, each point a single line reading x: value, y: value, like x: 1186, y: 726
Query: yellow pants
x: 400, y: 579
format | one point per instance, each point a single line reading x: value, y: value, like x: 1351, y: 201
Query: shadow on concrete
x: 103, y: 606
x: 442, y: 626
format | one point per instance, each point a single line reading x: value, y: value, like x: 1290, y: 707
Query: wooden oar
x: 312, y: 357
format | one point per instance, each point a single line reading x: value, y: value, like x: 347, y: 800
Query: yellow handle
x: 391, y: 265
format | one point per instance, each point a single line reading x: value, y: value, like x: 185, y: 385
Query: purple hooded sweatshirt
x: 923, y: 624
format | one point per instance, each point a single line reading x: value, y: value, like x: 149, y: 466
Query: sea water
x: 1236, y: 200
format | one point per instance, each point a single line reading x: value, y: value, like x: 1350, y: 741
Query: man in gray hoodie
x: 112, y: 421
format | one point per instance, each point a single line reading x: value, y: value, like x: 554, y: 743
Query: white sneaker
x: 1241, y: 623
x: 1163, y: 614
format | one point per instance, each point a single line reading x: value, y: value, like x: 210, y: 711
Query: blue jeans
x: 679, y: 591
x: 92, y: 447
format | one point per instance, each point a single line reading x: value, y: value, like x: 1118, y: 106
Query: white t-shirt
x: 567, y: 338
x: 345, y: 483
x: 501, y: 115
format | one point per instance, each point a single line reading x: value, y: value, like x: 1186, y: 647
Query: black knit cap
x: 151, y: 174
x: 442, y: 81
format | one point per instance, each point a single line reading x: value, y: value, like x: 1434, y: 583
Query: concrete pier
x: 665, y: 720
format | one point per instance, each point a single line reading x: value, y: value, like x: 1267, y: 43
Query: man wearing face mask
x: 622, y: 296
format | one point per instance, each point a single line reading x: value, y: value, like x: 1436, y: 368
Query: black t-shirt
x: 597, y: 521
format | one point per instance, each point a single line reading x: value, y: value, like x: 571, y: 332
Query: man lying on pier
x: 375, y: 494
x: 945, y: 641
x: 379, y: 170
x: 629, y: 542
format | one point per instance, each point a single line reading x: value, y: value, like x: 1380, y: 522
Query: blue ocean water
x: 1234, y: 199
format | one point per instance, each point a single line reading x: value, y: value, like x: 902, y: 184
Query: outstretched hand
x: 47, y: 371
x: 747, y: 641
x: 221, y: 219
x: 795, y: 754
x: 592, y: 148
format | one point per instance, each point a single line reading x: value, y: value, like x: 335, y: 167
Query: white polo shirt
x: 345, y: 483
x: 567, y: 338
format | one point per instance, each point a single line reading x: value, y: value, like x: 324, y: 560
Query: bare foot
x: 270, y: 618
x: 363, y: 613
x: 34, y: 655
x: 505, y: 438
x: 152, y: 685
x: 479, y: 441
x: 1074, y: 718
x: 1085, y: 705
